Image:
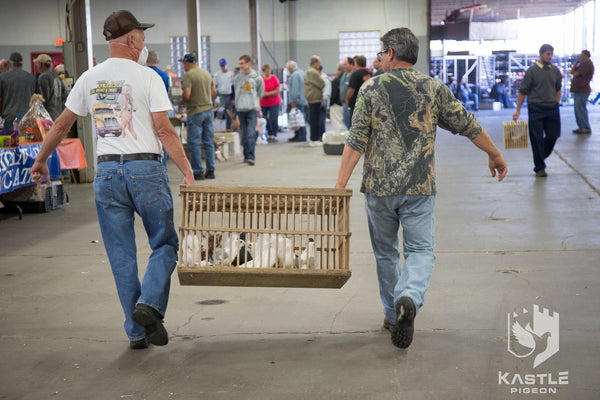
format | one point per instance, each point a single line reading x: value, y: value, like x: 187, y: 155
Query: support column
x: 254, y: 36
x: 194, y: 32
x: 79, y: 54
x: 292, y: 47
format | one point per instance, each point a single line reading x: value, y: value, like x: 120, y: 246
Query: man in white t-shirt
x: 129, y: 106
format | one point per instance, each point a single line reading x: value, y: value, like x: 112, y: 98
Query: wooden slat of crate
x: 309, y: 202
x: 262, y: 277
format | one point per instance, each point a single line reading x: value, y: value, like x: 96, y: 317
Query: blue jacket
x: 296, y: 88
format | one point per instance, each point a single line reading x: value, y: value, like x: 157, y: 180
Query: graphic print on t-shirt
x: 113, y: 110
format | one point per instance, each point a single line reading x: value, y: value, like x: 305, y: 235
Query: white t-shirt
x: 120, y: 95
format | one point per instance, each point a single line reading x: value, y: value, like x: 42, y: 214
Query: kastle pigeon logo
x: 533, y: 334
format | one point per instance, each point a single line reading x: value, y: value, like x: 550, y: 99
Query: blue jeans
x: 248, y: 132
x: 323, y: 121
x: 200, y: 132
x: 123, y: 189
x: 415, y: 214
x: 314, y: 116
x: 347, y: 116
x: 271, y: 114
x: 225, y: 100
x: 581, y: 114
x: 544, y: 131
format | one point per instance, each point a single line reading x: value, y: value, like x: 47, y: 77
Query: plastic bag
x: 37, y: 120
x: 295, y: 119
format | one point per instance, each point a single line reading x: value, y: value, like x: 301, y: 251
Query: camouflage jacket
x: 394, y: 124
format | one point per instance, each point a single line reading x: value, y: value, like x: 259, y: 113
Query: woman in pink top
x: 270, y: 102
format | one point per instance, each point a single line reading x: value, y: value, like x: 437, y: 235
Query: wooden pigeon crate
x: 514, y: 134
x: 279, y: 228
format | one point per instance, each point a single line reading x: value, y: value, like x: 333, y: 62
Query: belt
x: 129, y: 157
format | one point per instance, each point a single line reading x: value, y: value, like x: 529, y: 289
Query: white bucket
x: 497, y: 106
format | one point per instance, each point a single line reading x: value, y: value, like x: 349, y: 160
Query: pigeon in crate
x: 307, y: 257
x: 272, y: 251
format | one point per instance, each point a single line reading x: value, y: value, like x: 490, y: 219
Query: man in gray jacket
x: 295, y: 97
x: 249, y: 88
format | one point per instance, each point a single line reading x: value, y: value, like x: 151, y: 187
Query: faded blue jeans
x: 414, y: 214
x: 201, y: 132
x: 123, y: 189
x: 248, y: 132
x: 581, y: 114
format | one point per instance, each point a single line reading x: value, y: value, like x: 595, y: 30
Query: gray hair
x: 291, y: 64
x: 314, y: 59
x: 404, y: 43
x: 152, y: 57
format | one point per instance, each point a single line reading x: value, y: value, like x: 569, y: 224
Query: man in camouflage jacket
x: 394, y: 125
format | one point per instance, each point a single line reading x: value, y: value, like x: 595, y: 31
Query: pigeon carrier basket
x: 264, y: 236
x: 514, y: 134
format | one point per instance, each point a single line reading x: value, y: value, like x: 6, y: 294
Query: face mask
x: 143, y: 56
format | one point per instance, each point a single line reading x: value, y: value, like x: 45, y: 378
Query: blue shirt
x: 164, y: 76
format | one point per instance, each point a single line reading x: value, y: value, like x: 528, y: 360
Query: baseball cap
x: 222, y: 62
x: 189, y: 58
x: 43, y: 58
x: 121, y: 22
x: 16, y: 57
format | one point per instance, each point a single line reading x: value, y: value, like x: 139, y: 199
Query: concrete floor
x: 501, y: 247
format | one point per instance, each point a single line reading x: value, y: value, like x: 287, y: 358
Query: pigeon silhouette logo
x: 539, y: 340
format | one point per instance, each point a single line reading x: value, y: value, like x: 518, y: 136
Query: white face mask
x: 143, y: 56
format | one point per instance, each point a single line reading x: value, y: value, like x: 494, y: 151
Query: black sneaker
x: 402, y: 332
x: 250, y: 162
x: 138, y: 344
x: 151, y: 320
x: 199, y: 176
x: 210, y: 175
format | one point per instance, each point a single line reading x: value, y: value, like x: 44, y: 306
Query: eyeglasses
x: 382, y: 53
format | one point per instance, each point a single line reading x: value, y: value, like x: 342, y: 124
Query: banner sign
x: 15, y: 166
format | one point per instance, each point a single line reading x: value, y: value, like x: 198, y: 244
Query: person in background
x: 377, y: 67
x: 336, y: 112
x: 348, y: 65
x: 224, y: 83
x: 174, y: 80
x: 394, y: 125
x: 465, y: 94
x: 541, y: 85
x: 325, y: 101
x: 50, y: 86
x: 130, y: 178
x: 3, y: 65
x: 152, y: 62
x: 583, y: 72
x: 295, y: 97
x: 16, y: 88
x: 198, y: 91
x: 313, y: 92
x: 359, y: 76
x: 270, y: 102
x: 249, y: 88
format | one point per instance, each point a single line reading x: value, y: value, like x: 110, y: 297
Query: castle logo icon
x: 533, y: 334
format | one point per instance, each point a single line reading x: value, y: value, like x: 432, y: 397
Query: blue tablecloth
x: 15, y: 166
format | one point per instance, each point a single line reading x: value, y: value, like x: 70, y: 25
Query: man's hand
x: 497, y: 164
x: 516, y: 115
x: 40, y: 170
x: 188, y: 180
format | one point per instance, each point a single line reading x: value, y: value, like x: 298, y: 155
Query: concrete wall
x: 318, y: 24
